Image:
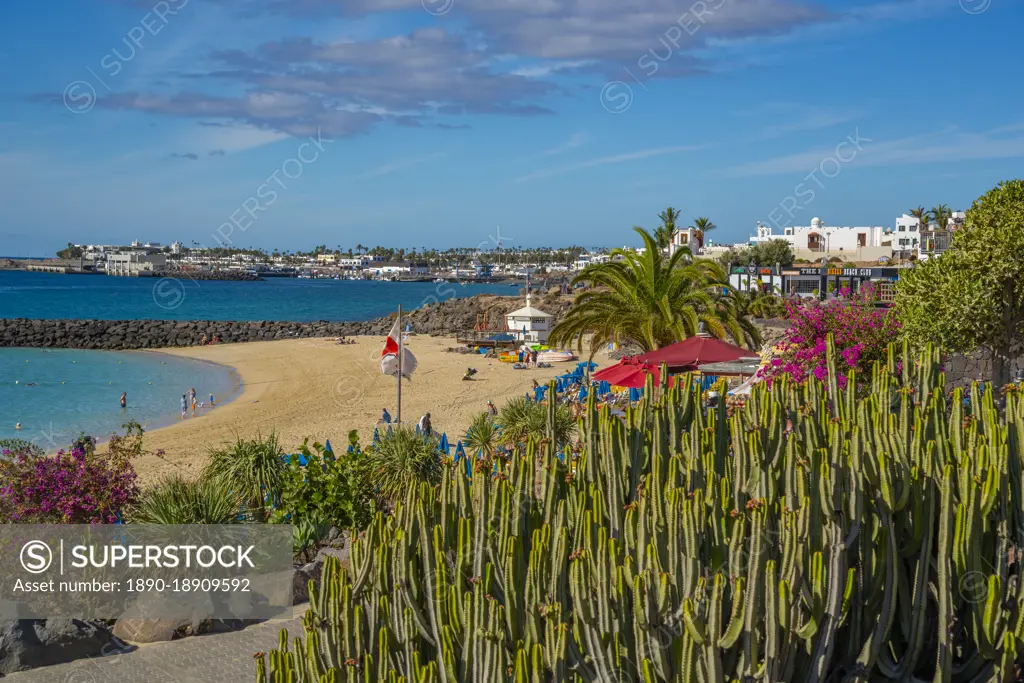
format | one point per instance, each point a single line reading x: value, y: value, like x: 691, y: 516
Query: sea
x: 50, y: 396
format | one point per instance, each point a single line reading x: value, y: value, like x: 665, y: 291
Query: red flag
x: 389, y: 356
x: 391, y: 344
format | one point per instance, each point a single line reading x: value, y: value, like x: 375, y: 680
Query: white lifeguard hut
x: 529, y: 324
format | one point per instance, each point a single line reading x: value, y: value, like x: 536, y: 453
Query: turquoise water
x: 101, y: 297
x: 58, y: 393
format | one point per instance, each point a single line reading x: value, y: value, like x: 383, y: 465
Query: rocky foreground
x: 448, y: 317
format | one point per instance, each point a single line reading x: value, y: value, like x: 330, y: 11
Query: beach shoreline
x: 318, y: 389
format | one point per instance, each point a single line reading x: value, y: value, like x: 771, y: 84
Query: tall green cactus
x: 880, y: 538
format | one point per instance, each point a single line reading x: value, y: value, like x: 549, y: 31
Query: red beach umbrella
x: 689, y: 353
x: 628, y: 373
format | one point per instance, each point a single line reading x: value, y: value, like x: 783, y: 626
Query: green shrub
x: 325, y: 490
x: 20, y: 446
x: 253, y: 468
x: 178, y: 500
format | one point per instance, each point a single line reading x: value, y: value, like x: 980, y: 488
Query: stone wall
x: 446, y: 317
x: 962, y: 370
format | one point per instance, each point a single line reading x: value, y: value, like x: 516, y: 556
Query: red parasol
x: 629, y: 373
x: 689, y: 353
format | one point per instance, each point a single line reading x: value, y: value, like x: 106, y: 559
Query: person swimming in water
x: 124, y: 400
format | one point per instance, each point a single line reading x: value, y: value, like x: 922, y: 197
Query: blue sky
x: 291, y: 123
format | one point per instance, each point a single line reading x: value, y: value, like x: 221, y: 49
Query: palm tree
x: 703, y: 224
x: 651, y: 301
x: 921, y: 214
x: 663, y: 233
x: 940, y: 215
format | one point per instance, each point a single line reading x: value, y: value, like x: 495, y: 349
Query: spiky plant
x: 178, y: 500
x: 399, y: 460
x: 811, y: 536
x: 522, y: 418
x: 253, y: 468
x: 482, y: 437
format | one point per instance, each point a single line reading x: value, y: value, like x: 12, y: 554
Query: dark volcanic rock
x: 434, y: 318
x: 28, y: 643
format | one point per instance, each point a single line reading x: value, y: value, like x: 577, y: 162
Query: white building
x: 529, y: 324
x: 135, y: 264
x: 818, y: 240
x: 177, y: 248
x: 691, y: 238
x: 585, y: 260
x: 394, y: 268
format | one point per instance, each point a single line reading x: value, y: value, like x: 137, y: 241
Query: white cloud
x: 402, y: 164
x: 608, y: 160
x: 946, y: 146
x: 575, y: 140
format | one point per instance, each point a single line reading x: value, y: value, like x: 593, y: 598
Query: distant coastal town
x: 786, y: 260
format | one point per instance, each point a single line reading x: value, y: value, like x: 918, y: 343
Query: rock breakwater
x: 448, y: 317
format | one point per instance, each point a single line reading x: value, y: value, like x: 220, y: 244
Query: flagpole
x: 398, y: 411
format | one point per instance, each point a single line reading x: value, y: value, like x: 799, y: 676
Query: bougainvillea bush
x: 80, y: 486
x: 860, y: 329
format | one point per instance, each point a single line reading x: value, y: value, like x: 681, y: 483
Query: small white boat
x: 440, y: 280
x: 553, y: 356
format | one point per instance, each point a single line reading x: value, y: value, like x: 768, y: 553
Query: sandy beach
x: 319, y: 389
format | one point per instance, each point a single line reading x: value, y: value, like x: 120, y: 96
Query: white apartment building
x: 818, y: 240
x: 907, y: 235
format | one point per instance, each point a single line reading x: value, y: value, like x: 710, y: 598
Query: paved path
x: 220, y: 658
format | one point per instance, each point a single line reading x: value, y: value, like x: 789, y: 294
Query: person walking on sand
x: 124, y: 400
x: 184, y: 406
x: 425, y: 427
x: 385, y: 416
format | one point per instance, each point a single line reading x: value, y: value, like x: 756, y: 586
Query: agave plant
x: 177, y: 500
x: 399, y: 460
x: 482, y: 436
x: 253, y: 468
x: 521, y: 417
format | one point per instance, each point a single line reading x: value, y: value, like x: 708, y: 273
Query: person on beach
x: 184, y: 406
x: 533, y: 357
x: 425, y: 427
x: 124, y: 400
x: 212, y: 404
x: 385, y: 416
x: 202, y: 341
x: 492, y: 410
x: 193, y: 403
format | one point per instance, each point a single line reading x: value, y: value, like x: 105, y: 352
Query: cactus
x: 880, y: 539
